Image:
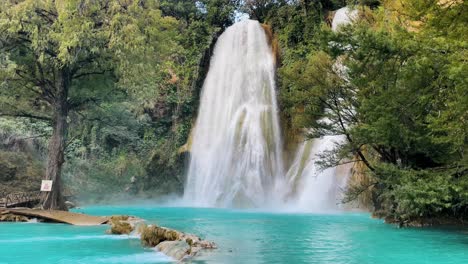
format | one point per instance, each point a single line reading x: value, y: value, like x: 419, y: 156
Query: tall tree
x: 59, y: 55
x: 392, y: 84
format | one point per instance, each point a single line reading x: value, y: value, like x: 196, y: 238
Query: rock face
x: 173, y: 243
x: 162, y: 173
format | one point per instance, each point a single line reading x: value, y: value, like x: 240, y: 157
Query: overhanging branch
x: 89, y: 73
x: 27, y: 115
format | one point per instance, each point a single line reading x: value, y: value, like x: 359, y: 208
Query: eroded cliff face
x: 272, y: 39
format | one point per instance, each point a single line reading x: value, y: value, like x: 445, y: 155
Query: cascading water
x: 236, y: 152
x: 343, y: 16
x: 317, y: 188
x: 236, y: 157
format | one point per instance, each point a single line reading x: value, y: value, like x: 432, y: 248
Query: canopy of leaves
x: 395, y: 84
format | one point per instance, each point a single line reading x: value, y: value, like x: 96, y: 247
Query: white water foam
x: 320, y: 189
x: 236, y: 152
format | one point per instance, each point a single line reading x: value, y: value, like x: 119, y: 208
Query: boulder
x: 122, y: 224
x: 171, y: 242
x: 176, y: 249
x: 152, y: 235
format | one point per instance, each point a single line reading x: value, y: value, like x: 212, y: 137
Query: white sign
x: 46, y: 186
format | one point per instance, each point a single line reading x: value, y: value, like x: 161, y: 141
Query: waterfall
x: 236, y: 154
x: 316, y: 188
x: 343, y: 16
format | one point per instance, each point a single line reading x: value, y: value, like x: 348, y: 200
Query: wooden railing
x: 20, y: 198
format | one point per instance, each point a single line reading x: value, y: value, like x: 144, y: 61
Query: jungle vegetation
x: 107, y: 92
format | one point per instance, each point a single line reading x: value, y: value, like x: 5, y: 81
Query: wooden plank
x: 60, y: 216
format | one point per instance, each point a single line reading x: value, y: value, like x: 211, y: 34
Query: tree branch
x: 89, y: 73
x: 27, y: 115
x: 348, y: 136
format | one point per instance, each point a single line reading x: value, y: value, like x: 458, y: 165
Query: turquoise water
x: 242, y: 237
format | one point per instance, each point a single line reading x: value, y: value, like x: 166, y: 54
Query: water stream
x: 236, y: 151
x: 236, y: 155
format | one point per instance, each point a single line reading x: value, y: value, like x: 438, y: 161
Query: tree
x: 60, y: 55
x: 391, y: 83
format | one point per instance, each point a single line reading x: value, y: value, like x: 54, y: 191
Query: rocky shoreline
x: 422, y: 222
x: 173, y: 243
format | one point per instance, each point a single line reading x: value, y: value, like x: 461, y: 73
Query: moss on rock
x: 120, y: 225
x: 153, y: 235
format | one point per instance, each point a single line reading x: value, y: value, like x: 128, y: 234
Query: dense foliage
x: 123, y: 78
x: 131, y: 74
x: 394, y: 83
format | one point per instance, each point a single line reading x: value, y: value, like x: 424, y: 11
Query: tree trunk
x: 54, y: 199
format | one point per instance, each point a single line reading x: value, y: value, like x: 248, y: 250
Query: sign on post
x: 46, y: 186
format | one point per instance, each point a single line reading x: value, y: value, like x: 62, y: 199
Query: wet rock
x: 152, y: 235
x: 173, y: 243
x: 122, y: 224
x: 176, y: 249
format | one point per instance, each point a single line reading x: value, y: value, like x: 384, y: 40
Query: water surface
x: 242, y: 237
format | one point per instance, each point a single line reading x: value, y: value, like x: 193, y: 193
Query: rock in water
x: 152, y: 235
x: 173, y: 243
x: 175, y: 249
x: 122, y: 224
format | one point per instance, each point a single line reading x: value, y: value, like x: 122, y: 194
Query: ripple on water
x: 143, y: 258
x: 243, y: 237
x: 63, y: 238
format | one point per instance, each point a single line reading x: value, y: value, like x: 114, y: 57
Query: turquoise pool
x: 242, y: 237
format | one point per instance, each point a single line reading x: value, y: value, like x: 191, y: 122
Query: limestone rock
x: 176, y: 249
x: 152, y: 235
x: 122, y: 224
x: 173, y: 243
